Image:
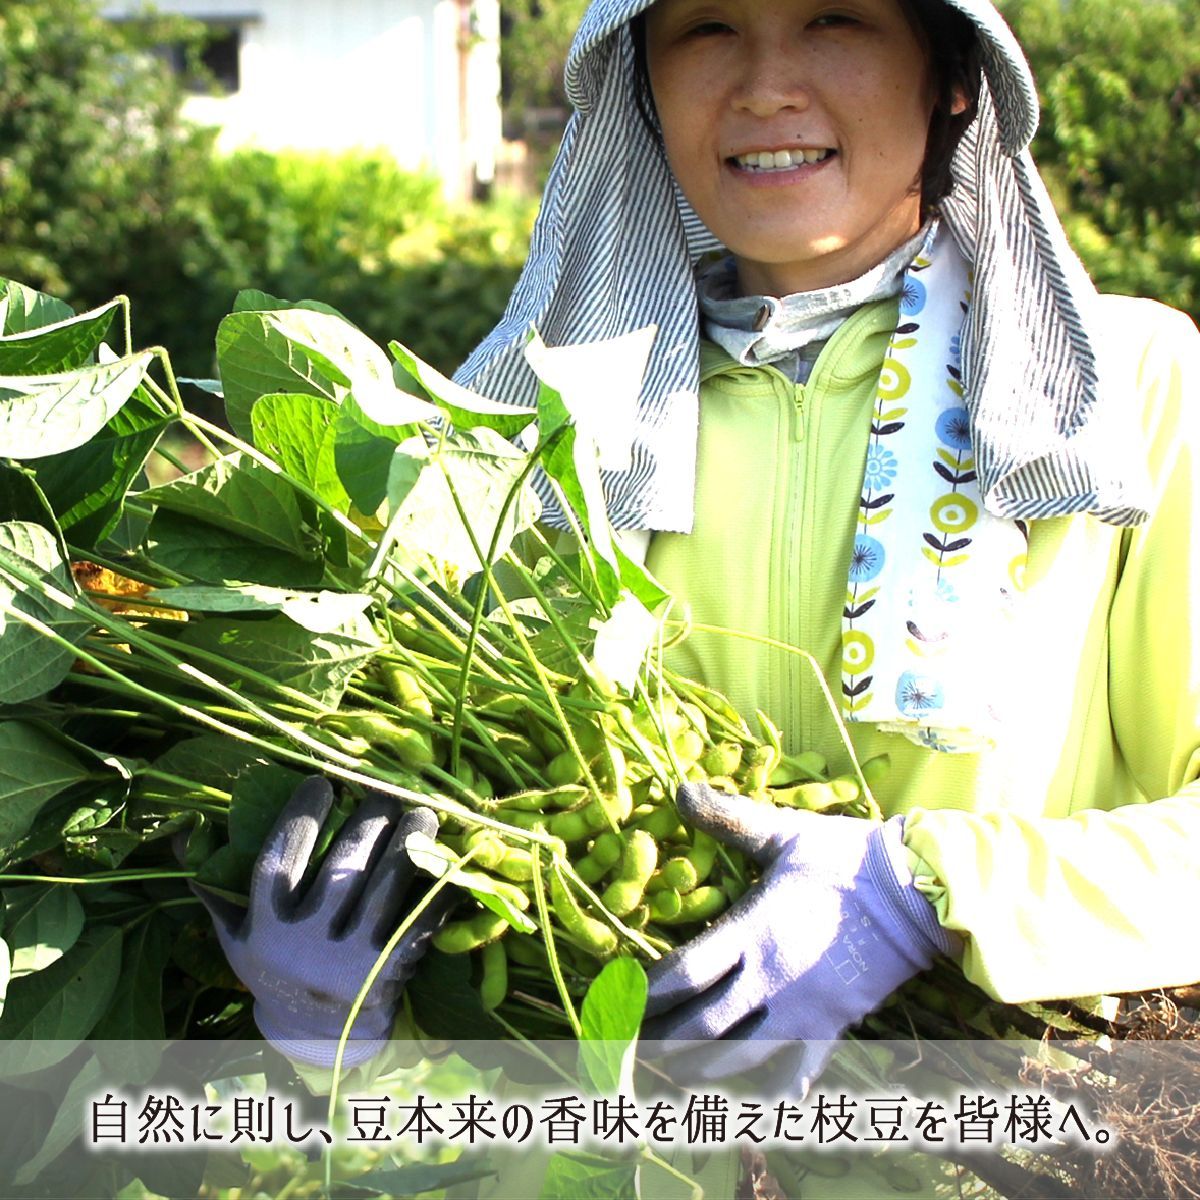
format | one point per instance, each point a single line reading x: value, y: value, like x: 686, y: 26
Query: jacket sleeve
x: 1101, y: 901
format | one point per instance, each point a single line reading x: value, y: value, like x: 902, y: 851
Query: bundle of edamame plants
x: 347, y: 576
x: 352, y: 580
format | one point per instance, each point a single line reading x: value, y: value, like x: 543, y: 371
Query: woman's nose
x: 771, y: 80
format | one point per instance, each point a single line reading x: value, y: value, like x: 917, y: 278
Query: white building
x: 419, y: 79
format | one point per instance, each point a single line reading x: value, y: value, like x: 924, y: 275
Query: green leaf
x: 22, y: 308
x: 41, y: 923
x: 466, y: 409
x: 577, y: 1176
x: 319, y: 665
x: 259, y: 795
x: 60, y: 346
x: 365, y: 455
x: 32, y: 572
x: 424, y: 523
x: 213, y: 758
x: 611, y: 1017
x: 49, y: 414
x: 318, y: 612
x: 254, y: 300
x: 416, y: 1178
x: 135, y: 1012
x: 22, y: 499
x: 296, y: 350
x: 66, y: 1126
x: 197, y: 550
x: 298, y: 433
x: 243, y: 497
x: 45, y: 1011
x: 573, y: 461
x: 444, y: 1002
x: 438, y: 860
x: 34, y: 768
x: 87, y: 486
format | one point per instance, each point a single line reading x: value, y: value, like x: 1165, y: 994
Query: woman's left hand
x: 834, y: 926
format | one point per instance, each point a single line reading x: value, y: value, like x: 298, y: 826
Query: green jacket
x: 1067, y: 855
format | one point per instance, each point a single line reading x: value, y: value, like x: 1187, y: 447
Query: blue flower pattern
x: 912, y: 295
x: 954, y: 428
x: 881, y: 467
x: 917, y: 695
x: 866, y: 561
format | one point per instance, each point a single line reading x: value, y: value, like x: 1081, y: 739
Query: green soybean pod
x: 406, y: 690
x: 665, y: 905
x: 663, y: 824
x: 604, y: 854
x: 594, y: 935
x: 526, y: 950
x: 701, y: 905
x: 637, y: 864
x: 574, y: 826
x: 564, y: 768
x: 488, y: 847
x: 846, y: 788
x: 815, y: 797
x: 493, y: 983
x: 723, y: 759
x: 679, y: 874
x: 517, y: 865
x: 639, y: 918
x: 688, y: 746
x: 460, y: 937
x: 703, y: 854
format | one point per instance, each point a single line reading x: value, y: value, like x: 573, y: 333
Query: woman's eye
x: 834, y: 20
x: 709, y: 29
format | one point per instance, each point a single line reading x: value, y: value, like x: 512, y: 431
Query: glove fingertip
x: 700, y: 803
x: 419, y: 820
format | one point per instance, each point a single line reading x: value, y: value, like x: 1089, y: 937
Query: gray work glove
x: 833, y: 927
x: 305, y: 957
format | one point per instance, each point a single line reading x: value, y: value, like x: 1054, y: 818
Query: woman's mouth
x: 763, y: 161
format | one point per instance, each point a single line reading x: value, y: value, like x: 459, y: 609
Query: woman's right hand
x: 304, y: 957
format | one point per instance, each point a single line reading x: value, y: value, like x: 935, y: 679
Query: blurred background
x: 385, y: 156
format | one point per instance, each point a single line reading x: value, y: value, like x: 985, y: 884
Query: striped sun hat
x: 615, y: 244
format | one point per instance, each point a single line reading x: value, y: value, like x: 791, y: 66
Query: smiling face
x: 796, y: 129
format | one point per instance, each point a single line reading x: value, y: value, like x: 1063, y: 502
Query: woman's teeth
x: 779, y: 160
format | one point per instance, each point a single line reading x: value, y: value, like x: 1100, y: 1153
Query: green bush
x: 105, y: 190
x: 97, y: 174
x: 358, y: 233
x: 1119, y: 142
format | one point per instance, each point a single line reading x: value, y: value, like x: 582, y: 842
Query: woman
x: 928, y: 453
x: 890, y: 423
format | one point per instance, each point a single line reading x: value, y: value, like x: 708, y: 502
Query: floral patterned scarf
x: 933, y: 574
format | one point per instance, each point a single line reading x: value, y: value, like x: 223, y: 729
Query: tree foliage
x: 533, y: 51
x: 1119, y: 143
x: 97, y: 172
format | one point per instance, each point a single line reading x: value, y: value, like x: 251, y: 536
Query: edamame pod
x: 413, y: 747
x: 663, y: 824
x: 637, y: 864
x: 564, y: 768
x: 594, y: 935
x: 406, y: 690
x: 665, y: 905
x: 722, y: 759
x: 701, y: 905
x: 493, y: 984
x: 526, y: 951
x: 604, y: 854
x: 460, y: 937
